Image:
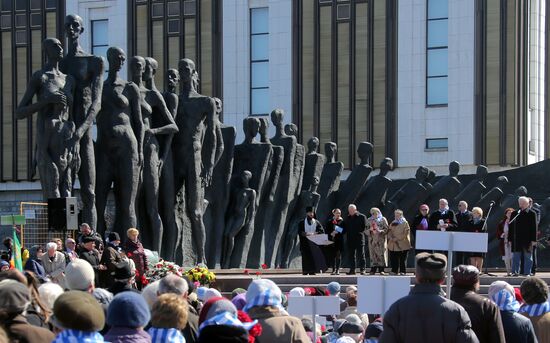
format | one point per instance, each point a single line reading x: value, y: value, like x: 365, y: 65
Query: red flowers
x: 258, y: 273
x: 256, y: 329
x: 264, y: 266
x: 144, y: 280
x: 246, y: 271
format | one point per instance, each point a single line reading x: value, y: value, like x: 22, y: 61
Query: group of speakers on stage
x: 516, y: 232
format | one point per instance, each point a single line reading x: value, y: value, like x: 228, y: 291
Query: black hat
x: 223, y: 334
x: 431, y: 266
x: 349, y: 327
x: 374, y: 330
x: 123, y: 271
x: 309, y: 209
x: 465, y: 276
x: 87, y: 239
x: 114, y: 236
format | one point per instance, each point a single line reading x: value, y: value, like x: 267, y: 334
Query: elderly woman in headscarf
x: 34, y: 263
x: 377, y: 229
x: 517, y: 328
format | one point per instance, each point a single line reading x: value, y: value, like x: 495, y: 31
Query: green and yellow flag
x: 16, y: 253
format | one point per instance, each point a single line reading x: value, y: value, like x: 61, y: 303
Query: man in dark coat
x: 110, y: 258
x: 87, y: 231
x: 523, y: 236
x: 425, y: 315
x: 354, y: 226
x: 443, y: 219
x: 89, y: 254
x: 484, y: 314
x: 463, y: 217
x: 313, y: 260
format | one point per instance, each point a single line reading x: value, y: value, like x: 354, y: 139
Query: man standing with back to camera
x: 354, y: 228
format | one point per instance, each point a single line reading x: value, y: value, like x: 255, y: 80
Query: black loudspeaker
x: 62, y: 214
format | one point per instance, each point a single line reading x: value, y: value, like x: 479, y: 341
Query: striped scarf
x: 75, y: 336
x: 535, y: 310
x: 227, y: 318
x: 265, y: 298
x: 505, y: 301
x: 161, y: 335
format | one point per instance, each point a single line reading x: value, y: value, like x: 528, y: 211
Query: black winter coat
x: 425, y: 315
x: 354, y: 229
x: 523, y: 230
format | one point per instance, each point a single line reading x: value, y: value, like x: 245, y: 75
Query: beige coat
x: 278, y: 326
x: 399, y: 236
x: 541, y: 324
x: 55, y: 269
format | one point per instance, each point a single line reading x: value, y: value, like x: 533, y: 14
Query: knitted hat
x: 465, y: 276
x: 431, y: 266
x: 210, y: 293
x: 200, y: 292
x: 4, y: 264
x: 14, y: 296
x: 215, y: 306
x: 333, y: 288
x: 114, y: 236
x: 78, y: 310
x: 128, y: 309
x: 79, y: 275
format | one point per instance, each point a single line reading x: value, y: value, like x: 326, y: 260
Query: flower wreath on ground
x: 200, y: 275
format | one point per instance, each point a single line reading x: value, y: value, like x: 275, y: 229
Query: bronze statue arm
x: 251, y: 211
x: 97, y: 89
x: 137, y: 121
x: 210, y: 136
x: 219, y: 143
x: 169, y: 128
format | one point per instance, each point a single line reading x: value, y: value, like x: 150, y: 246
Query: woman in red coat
x: 134, y: 250
x: 505, y: 246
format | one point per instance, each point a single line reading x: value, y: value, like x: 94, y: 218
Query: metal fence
x: 35, y: 231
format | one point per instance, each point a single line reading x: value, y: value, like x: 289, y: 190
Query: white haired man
x: 523, y: 236
x: 354, y: 226
x: 54, y: 264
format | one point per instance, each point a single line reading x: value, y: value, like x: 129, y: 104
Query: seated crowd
x: 173, y: 310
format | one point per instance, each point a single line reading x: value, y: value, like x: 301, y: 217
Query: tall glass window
x: 437, y: 53
x: 100, y: 41
x: 259, y: 61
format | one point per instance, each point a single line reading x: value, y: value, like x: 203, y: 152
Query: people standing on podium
x: 505, y: 245
x: 523, y: 235
x: 313, y: 260
x: 399, y: 243
x: 444, y: 219
x: 355, y: 225
x: 420, y: 222
x: 378, y: 245
x: 335, y: 233
x: 477, y: 225
x: 463, y: 217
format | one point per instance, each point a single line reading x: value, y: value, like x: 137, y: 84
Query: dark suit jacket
x: 449, y: 218
x: 523, y: 230
x: 354, y: 228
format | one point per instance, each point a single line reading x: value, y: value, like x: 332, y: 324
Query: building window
x: 437, y: 144
x: 100, y: 42
x: 436, y: 53
x: 259, y: 61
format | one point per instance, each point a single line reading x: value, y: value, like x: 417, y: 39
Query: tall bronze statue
x: 314, y: 163
x: 119, y: 137
x: 410, y: 195
x: 329, y: 181
x: 475, y: 189
x: 240, y: 223
x: 159, y: 122
x: 218, y: 192
x: 57, y: 161
x: 350, y: 188
x: 446, y: 187
x: 194, y: 168
x: 167, y: 193
x: 87, y: 70
x: 375, y: 191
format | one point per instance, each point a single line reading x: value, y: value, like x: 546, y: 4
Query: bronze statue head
x: 137, y: 66
x: 53, y: 49
x: 291, y: 129
x: 151, y: 66
x: 116, y: 58
x: 74, y: 26
x: 364, y: 150
x: 251, y: 126
x: 385, y: 166
x: 312, y: 145
x: 454, y: 168
x: 277, y: 117
x: 186, y: 68
x: 330, y: 151
x: 172, y: 77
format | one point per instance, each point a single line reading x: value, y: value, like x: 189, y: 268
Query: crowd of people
x: 391, y: 240
x: 74, y: 309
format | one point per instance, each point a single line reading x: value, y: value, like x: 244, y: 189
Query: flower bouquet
x: 201, y: 275
x: 160, y: 269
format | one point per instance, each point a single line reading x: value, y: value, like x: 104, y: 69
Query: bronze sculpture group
x: 177, y: 173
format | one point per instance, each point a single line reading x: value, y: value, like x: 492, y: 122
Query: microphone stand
x: 483, y: 229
